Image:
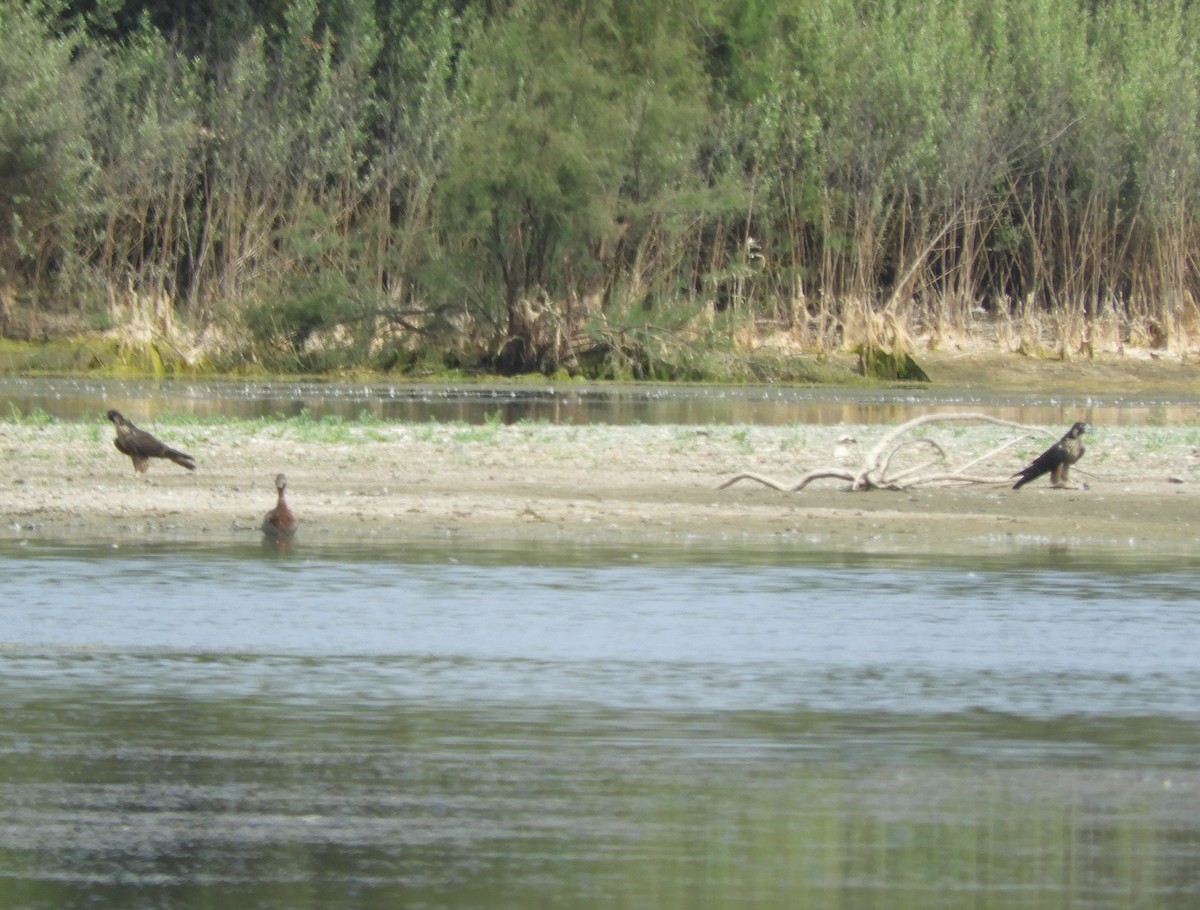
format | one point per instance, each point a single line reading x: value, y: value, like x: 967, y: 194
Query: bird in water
x: 140, y: 446
x: 1056, y: 460
x: 280, y: 523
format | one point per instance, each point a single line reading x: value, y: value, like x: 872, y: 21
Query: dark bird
x: 1056, y: 460
x: 280, y: 522
x: 140, y: 446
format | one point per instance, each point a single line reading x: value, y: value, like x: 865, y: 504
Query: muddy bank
x: 589, y: 483
x: 1133, y: 372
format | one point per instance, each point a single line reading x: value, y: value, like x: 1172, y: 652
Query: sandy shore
x: 595, y: 483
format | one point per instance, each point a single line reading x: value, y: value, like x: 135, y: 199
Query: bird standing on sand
x: 140, y: 446
x: 1056, y: 460
x: 280, y: 522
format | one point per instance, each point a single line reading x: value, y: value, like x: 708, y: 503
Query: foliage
x: 598, y: 186
x: 579, y: 119
x: 44, y: 158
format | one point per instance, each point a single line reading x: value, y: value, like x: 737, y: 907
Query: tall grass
x: 610, y: 188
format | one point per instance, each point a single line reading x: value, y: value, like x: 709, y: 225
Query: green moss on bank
x: 118, y: 360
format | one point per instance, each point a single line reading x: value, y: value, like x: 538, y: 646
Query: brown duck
x: 140, y: 446
x: 280, y: 522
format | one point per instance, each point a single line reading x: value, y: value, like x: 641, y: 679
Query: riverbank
x: 586, y: 483
x: 979, y: 363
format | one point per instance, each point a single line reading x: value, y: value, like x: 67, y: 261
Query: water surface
x: 429, y: 725
x: 573, y: 403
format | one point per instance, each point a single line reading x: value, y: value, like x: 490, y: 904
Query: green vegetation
x: 35, y: 418
x: 486, y: 432
x: 680, y: 190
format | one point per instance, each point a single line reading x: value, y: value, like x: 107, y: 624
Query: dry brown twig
x: 873, y: 473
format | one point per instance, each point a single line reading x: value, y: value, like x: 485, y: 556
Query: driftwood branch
x: 822, y: 474
x: 873, y: 474
x: 911, y: 443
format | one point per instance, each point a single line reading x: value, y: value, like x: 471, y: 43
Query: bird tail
x: 1024, y: 480
x: 184, y: 461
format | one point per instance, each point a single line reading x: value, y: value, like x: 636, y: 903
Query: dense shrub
x: 533, y: 185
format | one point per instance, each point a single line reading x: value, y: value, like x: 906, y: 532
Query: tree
x: 580, y: 115
x: 44, y: 159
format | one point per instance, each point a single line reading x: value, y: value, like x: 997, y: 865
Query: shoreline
x: 968, y: 362
x: 590, y: 484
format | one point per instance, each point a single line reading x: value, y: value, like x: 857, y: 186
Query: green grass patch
x: 35, y: 418
x: 485, y: 432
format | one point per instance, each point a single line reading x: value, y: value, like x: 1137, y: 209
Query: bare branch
x: 765, y: 481
x: 994, y: 452
x: 887, y: 462
x: 884, y: 444
x: 913, y: 471
x: 873, y: 474
x: 959, y: 477
x: 821, y: 474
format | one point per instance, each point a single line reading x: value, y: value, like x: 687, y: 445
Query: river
x: 440, y: 725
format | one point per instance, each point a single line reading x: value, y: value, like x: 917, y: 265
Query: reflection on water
x: 435, y: 727
x: 72, y: 399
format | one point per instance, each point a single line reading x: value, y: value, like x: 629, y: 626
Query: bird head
x: 280, y: 482
x: 115, y: 416
x: 1078, y: 430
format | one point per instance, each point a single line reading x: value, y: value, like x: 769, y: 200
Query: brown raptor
x: 1056, y: 460
x: 140, y: 446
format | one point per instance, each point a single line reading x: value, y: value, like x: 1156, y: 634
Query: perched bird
x: 1056, y: 460
x: 140, y: 446
x: 280, y: 522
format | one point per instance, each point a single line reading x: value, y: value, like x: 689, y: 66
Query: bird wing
x: 1043, y: 464
x: 138, y: 444
x: 1050, y: 459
